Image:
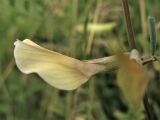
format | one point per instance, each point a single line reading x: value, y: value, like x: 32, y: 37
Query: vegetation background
x: 61, y: 25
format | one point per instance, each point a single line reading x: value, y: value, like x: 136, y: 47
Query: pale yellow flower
x: 132, y: 79
x: 58, y: 70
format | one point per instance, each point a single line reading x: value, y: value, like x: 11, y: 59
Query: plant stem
x: 143, y: 18
x: 149, y: 109
x: 95, y: 19
x: 148, y: 60
x: 131, y: 40
x: 130, y: 32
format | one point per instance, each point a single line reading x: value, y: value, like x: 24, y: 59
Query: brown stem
x: 131, y: 40
x: 130, y: 32
x: 148, y: 60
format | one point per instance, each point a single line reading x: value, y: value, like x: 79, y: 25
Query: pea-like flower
x: 58, y: 70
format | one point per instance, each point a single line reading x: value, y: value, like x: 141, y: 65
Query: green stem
x: 95, y: 20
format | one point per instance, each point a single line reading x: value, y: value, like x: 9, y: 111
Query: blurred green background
x: 61, y: 25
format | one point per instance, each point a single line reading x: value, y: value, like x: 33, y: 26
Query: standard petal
x: 58, y: 70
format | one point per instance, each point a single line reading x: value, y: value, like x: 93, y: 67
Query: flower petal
x: 58, y: 70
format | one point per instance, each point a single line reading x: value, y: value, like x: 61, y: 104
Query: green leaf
x: 152, y: 31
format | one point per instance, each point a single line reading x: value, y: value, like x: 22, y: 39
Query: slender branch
x: 148, y: 106
x: 148, y: 60
x: 130, y: 32
x: 149, y: 109
x: 131, y: 40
